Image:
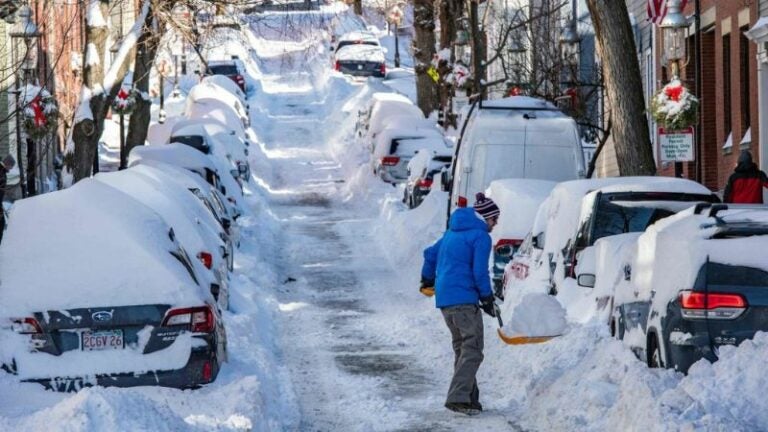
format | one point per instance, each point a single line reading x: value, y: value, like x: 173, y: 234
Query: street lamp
x: 123, y: 154
x: 674, y: 29
x: 26, y: 30
x: 395, y: 16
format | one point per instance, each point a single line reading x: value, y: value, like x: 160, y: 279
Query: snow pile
x: 537, y: 315
x: 518, y: 200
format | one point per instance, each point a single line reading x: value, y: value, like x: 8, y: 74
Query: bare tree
x: 146, y: 52
x: 616, y: 47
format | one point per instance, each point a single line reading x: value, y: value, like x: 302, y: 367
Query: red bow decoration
x: 122, y: 94
x: 674, y: 93
x: 38, y: 110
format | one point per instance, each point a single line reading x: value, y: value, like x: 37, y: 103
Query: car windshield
x: 195, y: 141
x: 342, y: 44
x: 223, y: 70
x: 621, y: 213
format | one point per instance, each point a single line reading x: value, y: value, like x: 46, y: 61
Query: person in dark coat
x: 457, y: 267
x: 745, y: 186
x: 7, y: 165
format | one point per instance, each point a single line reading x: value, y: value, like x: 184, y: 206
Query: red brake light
x: 424, y: 183
x: 240, y: 79
x: 198, y: 319
x: 207, y: 371
x: 27, y: 325
x: 390, y: 160
x: 206, y: 258
x: 461, y: 202
x: 337, y: 66
x: 383, y: 69
x: 510, y: 242
x: 700, y: 300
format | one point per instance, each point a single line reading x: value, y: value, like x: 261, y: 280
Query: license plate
x: 102, y: 340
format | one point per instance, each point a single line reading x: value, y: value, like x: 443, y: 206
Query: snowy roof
x: 175, y: 154
x: 360, y: 52
x: 89, y: 246
x: 519, y: 201
x: 225, y: 83
x: 655, y: 184
x: 519, y: 102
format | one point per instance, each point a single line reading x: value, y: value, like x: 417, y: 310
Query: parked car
x: 518, y: 201
x: 182, y: 212
x: 514, y: 137
x: 232, y: 69
x: 694, y: 285
x: 361, y: 60
x: 394, y: 147
x: 422, y: 169
x: 228, y: 85
x: 380, y: 106
x: 122, y: 306
x: 211, y: 137
x: 206, y: 96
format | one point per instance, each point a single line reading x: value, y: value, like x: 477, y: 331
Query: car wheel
x: 653, y: 353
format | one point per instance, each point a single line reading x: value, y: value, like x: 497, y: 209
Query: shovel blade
x: 523, y: 340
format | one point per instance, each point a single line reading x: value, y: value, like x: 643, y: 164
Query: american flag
x: 657, y: 10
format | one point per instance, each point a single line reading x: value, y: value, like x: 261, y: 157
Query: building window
x: 727, y: 84
x: 744, y: 72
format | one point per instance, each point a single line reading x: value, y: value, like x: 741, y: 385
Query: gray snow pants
x: 466, y: 325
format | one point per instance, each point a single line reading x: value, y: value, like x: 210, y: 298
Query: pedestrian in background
x: 745, y: 186
x: 5, y: 167
x: 457, y: 267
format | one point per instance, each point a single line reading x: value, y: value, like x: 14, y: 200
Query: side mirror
x: 504, y: 251
x: 538, y: 241
x: 586, y: 280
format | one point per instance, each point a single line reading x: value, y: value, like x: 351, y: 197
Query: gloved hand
x: 427, y: 287
x: 486, y: 304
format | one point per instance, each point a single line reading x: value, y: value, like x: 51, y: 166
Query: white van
x: 515, y: 137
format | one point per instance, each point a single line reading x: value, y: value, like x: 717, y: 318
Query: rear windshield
x: 194, y: 141
x: 621, y: 213
x: 732, y: 275
x: 348, y: 42
x: 223, y: 70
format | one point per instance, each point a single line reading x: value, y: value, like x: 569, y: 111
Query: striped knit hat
x: 486, y: 207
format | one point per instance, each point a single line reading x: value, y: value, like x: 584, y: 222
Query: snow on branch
x: 127, y: 44
x: 94, y: 17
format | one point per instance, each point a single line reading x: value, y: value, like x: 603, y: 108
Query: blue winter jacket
x: 458, y: 262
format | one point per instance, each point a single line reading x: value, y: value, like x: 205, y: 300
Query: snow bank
x: 518, y: 200
x: 537, y: 315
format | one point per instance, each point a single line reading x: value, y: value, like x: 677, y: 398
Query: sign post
x: 676, y: 146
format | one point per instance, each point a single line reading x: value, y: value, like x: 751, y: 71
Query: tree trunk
x: 359, y: 7
x: 87, y: 131
x: 146, y: 51
x: 424, y: 44
x: 449, y: 10
x: 623, y: 82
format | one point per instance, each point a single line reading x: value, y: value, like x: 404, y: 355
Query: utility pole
x: 477, y: 49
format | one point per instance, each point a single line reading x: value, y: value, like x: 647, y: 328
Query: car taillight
x: 424, y: 183
x: 711, y: 305
x: 390, y: 160
x: 207, y: 371
x: 337, y: 66
x: 240, y: 79
x: 197, y: 319
x: 461, y: 202
x: 206, y: 258
x: 27, y: 325
x: 510, y: 243
x: 383, y: 69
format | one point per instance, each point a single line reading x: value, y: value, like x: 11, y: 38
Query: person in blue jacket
x: 457, y: 267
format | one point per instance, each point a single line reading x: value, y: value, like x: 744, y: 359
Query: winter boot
x: 463, y: 408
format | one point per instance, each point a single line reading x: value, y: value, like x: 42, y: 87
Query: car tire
x: 653, y: 352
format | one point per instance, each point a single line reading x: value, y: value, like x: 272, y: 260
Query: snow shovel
x: 517, y: 339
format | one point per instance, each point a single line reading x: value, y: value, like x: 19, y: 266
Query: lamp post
x: 674, y: 32
x: 162, y: 70
x: 26, y: 30
x: 123, y: 156
x: 395, y: 17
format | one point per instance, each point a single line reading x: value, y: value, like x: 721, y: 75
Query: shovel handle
x: 497, y: 312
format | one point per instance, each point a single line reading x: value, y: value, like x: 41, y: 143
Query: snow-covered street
x: 327, y: 330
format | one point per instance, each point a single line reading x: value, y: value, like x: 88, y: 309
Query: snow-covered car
x: 422, y: 169
x: 695, y: 284
x: 206, y: 96
x: 355, y: 38
x: 212, y: 138
x: 518, y: 201
x: 394, y: 147
x: 103, y: 294
x: 184, y: 213
x: 228, y: 85
x: 361, y: 60
x: 385, y: 106
x: 232, y: 69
